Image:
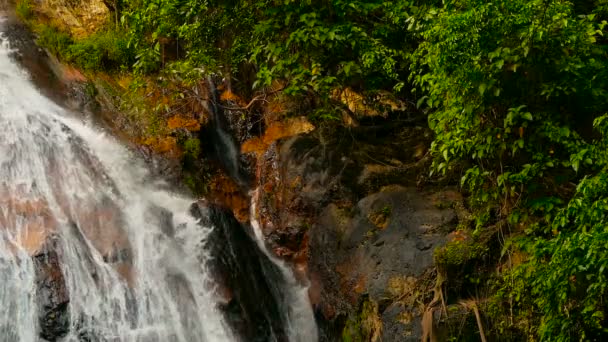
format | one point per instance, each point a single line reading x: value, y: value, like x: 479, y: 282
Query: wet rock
x: 162, y: 167
x: 52, y: 294
x: 225, y: 192
x: 41, y: 68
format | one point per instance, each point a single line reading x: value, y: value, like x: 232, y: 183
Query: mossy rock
x: 365, y: 325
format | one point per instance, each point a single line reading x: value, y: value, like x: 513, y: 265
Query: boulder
x: 381, y: 252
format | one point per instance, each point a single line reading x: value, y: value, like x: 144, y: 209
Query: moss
x: 24, y: 9
x: 197, y: 182
x: 190, y: 182
x: 459, y: 252
x: 405, y: 289
x: 196, y: 173
x: 444, y: 204
x: 90, y: 90
x: 365, y: 326
x: 192, y: 148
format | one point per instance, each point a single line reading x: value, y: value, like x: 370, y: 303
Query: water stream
x: 83, y: 227
x: 298, y: 310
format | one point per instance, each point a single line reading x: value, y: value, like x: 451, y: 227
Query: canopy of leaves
x: 318, y: 45
x: 200, y: 36
x: 313, y: 47
x: 516, y: 92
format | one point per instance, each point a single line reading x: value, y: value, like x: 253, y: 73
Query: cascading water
x: 124, y: 260
x: 297, y: 312
x: 66, y: 188
x: 299, y: 316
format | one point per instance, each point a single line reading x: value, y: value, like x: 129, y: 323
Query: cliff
x: 348, y: 204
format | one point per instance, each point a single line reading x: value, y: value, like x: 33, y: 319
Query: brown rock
x: 226, y: 193
x: 276, y: 131
x: 79, y: 17
x: 179, y: 121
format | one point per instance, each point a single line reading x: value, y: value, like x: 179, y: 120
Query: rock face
x: 381, y: 251
x: 349, y: 208
x: 80, y: 17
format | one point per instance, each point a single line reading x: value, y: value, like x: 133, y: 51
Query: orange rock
x: 288, y: 128
x: 179, y: 121
x: 226, y: 193
x: 268, y: 187
x: 283, y: 252
x: 360, y: 284
x: 102, y: 226
x: 33, y: 237
x: 253, y: 145
x: 230, y: 96
x: 167, y: 145
x: 125, y: 270
x: 459, y: 235
x: 28, y: 221
x: 72, y: 74
x: 276, y: 131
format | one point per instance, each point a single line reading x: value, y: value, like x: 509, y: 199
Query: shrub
x: 24, y: 9
x: 104, y: 50
x: 52, y: 39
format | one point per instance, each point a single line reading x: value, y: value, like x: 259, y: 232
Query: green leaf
x: 482, y: 88
x: 421, y: 101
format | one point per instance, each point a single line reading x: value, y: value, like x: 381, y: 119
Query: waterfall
x: 90, y: 248
x: 292, y: 296
x: 93, y: 249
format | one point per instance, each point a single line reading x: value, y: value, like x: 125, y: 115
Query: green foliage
x: 365, y: 325
x: 55, y: 41
x: 318, y: 46
x: 459, y: 252
x: 24, y: 9
x: 313, y: 47
x: 516, y: 92
x: 209, y: 36
x: 569, y: 283
x: 192, y: 148
x: 513, y: 89
x: 104, y: 50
